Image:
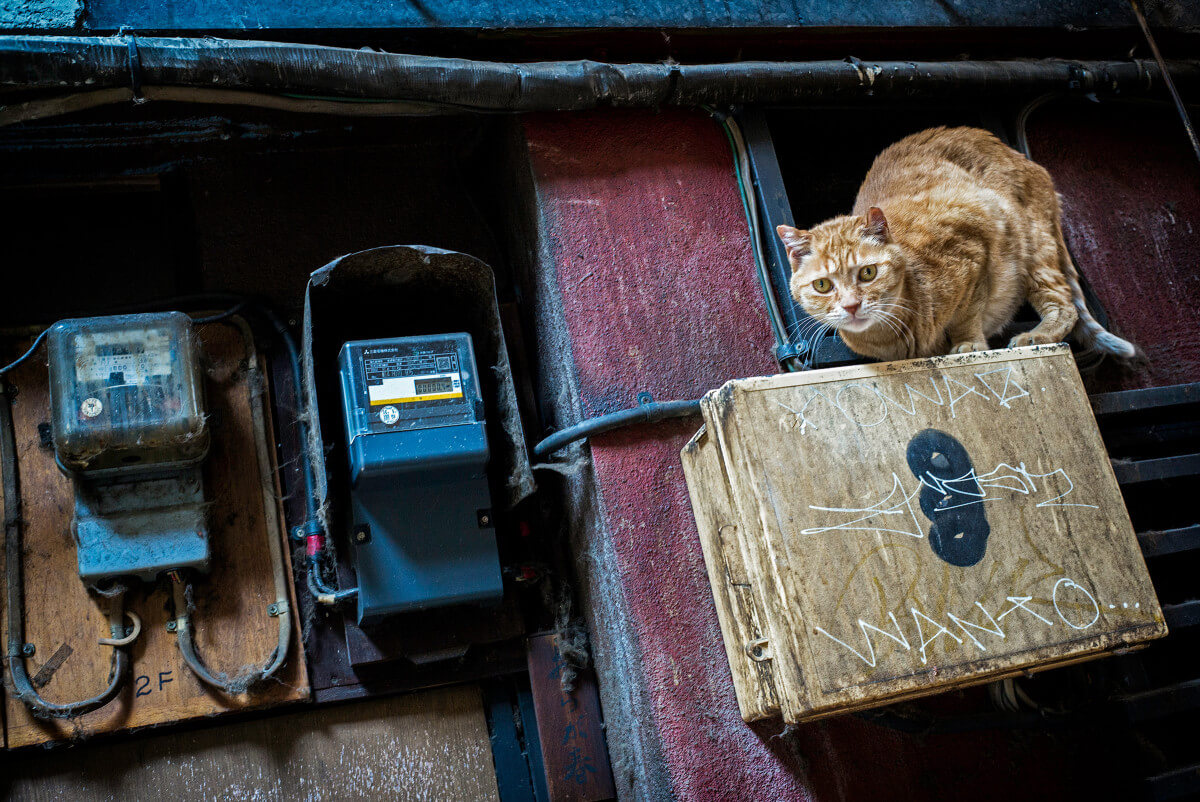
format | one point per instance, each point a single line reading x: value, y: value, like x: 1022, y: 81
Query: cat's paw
x: 1030, y: 338
x: 968, y: 347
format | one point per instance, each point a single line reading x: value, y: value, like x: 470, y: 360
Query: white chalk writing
x: 928, y: 629
x: 998, y: 386
x: 895, y: 511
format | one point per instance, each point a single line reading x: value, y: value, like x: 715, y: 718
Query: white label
x: 389, y: 415
x: 151, y: 356
x: 91, y: 407
x: 405, y: 389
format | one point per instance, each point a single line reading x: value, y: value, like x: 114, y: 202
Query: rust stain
x: 42, y: 678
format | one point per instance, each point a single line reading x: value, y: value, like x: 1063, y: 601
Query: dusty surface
x: 428, y: 746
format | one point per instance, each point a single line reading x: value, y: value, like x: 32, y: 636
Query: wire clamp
x: 759, y: 650
x: 311, y: 526
x: 278, y: 608
x: 786, y: 352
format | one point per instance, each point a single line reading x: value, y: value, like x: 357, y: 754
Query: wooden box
x: 880, y: 532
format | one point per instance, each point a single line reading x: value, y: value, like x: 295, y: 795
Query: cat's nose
x: 851, y: 308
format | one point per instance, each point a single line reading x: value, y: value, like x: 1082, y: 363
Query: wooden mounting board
x: 880, y: 532
x: 232, y: 627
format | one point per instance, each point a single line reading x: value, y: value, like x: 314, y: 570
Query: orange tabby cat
x: 950, y: 232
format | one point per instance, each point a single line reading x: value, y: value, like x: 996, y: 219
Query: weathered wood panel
x: 425, y: 747
x: 743, y: 628
x: 917, y: 525
x: 233, y: 629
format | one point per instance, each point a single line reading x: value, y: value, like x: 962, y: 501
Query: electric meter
x: 127, y: 414
x: 418, y: 457
x: 125, y: 392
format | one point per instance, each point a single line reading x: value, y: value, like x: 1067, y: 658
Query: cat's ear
x: 876, y: 225
x: 797, y: 242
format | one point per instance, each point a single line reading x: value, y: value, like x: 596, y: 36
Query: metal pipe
x: 99, y: 63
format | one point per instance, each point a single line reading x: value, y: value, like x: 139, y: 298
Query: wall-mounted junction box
x: 127, y: 413
x: 418, y: 457
x: 880, y: 532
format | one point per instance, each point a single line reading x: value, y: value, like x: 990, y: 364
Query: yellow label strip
x: 411, y: 399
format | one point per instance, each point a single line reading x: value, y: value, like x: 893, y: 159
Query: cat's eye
x: 867, y: 273
x: 822, y: 285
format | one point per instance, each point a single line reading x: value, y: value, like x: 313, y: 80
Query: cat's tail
x: 1088, y: 330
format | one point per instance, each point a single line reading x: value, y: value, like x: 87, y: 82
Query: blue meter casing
x: 418, y: 456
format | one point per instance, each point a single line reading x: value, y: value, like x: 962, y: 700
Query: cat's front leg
x: 966, y: 334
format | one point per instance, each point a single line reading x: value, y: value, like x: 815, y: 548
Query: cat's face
x: 847, y: 272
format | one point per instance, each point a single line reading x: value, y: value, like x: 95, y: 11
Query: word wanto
x: 985, y: 629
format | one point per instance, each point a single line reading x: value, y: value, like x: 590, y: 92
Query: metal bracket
x: 759, y: 650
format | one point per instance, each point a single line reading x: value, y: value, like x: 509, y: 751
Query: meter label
x: 122, y: 358
x: 394, y: 378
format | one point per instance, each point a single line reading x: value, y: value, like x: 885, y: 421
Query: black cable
x: 1184, y: 117
x: 219, y: 316
x: 312, y: 526
x: 95, y: 63
x: 318, y: 587
x: 239, y: 304
x: 17, y: 362
x: 643, y: 413
x: 15, y: 607
x: 180, y: 594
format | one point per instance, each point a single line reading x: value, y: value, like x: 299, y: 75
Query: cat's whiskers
x: 814, y: 327
x: 883, y: 318
x: 887, y: 321
x: 902, y: 329
x: 893, y: 305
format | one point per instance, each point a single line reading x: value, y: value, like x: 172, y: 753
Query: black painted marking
x: 950, y: 497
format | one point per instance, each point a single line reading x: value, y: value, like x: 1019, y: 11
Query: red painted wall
x: 645, y: 239
x: 1130, y: 186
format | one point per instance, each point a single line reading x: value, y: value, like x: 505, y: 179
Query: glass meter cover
x: 126, y: 391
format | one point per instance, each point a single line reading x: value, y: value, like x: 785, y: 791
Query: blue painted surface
x: 140, y: 528
x: 147, y: 15
x: 418, y: 484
